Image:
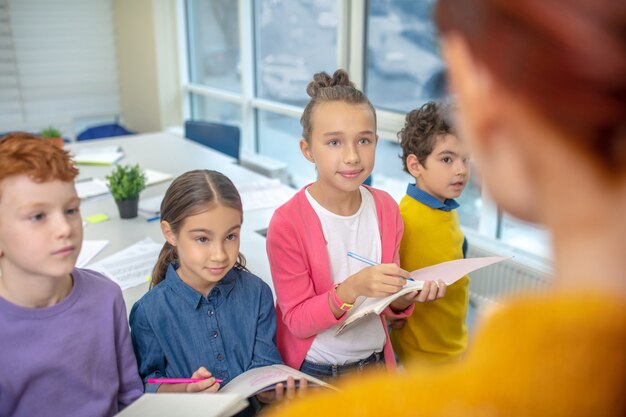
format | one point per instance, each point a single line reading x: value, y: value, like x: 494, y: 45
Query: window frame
x: 351, y: 49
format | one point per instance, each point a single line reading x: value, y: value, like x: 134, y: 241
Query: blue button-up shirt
x: 176, y: 330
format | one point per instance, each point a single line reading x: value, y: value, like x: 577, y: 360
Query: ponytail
x: 166, y: 256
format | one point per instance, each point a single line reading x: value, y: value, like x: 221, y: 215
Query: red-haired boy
x: 64, y: 339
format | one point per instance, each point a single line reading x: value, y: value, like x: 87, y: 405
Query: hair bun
x: 323, y: 80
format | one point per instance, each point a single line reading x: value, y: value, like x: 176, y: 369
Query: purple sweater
x: 72, y: 359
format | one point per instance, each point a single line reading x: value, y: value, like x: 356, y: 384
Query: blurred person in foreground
x: 541, y: 88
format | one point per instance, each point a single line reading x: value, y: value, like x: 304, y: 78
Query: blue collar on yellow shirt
x: 423, y: 197
x: 192, y: 296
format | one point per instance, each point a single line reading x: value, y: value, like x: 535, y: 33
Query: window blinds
x: 57, y: 64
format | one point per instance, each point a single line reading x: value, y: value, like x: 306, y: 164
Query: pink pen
x: 177, y: 380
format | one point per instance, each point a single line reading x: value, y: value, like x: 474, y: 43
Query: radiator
x: 489, y: 284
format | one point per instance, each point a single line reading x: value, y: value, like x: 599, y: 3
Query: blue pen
x: 366, y: 261
x: 153, y: 219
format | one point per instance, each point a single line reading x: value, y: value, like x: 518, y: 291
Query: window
x: 212, y: 110
x: 58, y: 64
x: 403, y: 65
x: 294, y: 40
x: 213, y: 33
x: 251, y: 60
x: 279, y: 138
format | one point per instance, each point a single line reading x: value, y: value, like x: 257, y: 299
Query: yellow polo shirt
x: 436, y: 331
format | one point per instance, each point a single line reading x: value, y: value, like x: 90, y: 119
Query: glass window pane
x: 471, y: 201
x: 294, y: 40
x: 279, y: 138
x: 213, y: 42
x: 214, y: 110
x: 526, y: 236
x: 403, y: 66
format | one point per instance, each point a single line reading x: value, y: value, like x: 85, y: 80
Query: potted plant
x: 54, y: 135
x: 125, y: 183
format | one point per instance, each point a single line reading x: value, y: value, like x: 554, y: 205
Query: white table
x: 175, y: 155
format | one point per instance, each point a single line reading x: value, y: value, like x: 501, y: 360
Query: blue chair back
x: 221, y: 137
x: 103, y: 131
x: 368, y: 180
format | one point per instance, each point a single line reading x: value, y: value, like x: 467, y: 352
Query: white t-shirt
x: 357, y: 233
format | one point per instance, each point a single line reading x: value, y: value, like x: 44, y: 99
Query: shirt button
x: 210, y: 313
x: 220, y: 357
x: 214, y: 333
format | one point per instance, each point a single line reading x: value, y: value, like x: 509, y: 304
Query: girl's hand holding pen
x: 373, y: 281
x: 208, y: 383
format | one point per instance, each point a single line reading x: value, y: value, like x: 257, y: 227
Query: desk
x: 175, y: 155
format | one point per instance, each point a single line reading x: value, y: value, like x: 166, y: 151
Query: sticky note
x: 97, y: 218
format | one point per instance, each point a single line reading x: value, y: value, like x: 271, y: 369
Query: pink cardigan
x: 300, y: 267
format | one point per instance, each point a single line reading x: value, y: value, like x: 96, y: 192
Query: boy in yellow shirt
x: 431, y: 152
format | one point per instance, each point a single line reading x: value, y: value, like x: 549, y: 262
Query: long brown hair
x: 191, y: 193
x: 567, y: 58
x: 325, y: 88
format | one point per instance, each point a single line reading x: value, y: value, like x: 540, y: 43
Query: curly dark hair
x: 422, y: 129
x: 326, y: 88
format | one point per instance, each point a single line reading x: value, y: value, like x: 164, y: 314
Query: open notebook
x: 449, y: 272
x: 265, y: 378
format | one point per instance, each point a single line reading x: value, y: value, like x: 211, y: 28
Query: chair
x: 368, y: 180
x: 221, y: 137
x: 103, y: 131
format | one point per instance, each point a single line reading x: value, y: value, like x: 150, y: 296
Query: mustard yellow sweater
x: 557, y: 356
x: 436, y: 331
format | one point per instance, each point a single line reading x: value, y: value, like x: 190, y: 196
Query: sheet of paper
x: 89, y: 250
x: 264, y: 194
x: 155, y: 177
x: 91, y: 187
x: 184, y: 404
x: 99, y: 155
x: 448, y: 272
x: 150, y: 206
x: 131, y: 266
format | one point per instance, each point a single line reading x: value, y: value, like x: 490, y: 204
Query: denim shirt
x: 175, y: 330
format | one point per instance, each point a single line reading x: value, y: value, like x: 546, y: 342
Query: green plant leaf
x: 126, y: 182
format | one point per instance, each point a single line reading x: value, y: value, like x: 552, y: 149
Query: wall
x: 147, y: 55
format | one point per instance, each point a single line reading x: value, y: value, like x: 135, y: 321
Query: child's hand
x: 281, y: 393
x: 432, y: 290
x: 396, y: 324
x: 373, y: 281
x: 208, y: 385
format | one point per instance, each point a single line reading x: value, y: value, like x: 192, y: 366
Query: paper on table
x: 151, y: 206
x: 131, y: 266
x: 184, y: 404
x: 448, y: 272
x: 265, y: 378
x: 90, y: 187
x: 155, y: 177
x: 264, y: 194
x: 89, y: 250
x: 99, y: 155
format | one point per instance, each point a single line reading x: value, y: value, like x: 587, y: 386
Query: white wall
x: 147, y: 56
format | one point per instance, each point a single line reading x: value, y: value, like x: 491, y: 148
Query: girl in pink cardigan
x: 309, y: 237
